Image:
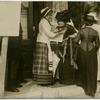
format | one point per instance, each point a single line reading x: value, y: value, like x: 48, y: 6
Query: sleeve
x: 97, y: 42
x: 46, y: 28
x: 76, y: 45
x: 62, y: 31
x: 77, y: 38
x: 72, y: 29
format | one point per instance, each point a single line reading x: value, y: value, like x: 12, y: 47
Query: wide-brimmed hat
x: 45, y: 11
x: 93, y: 14
x: 63, y: 16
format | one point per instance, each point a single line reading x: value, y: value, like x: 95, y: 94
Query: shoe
x: 18, y: 85
x: 24, y: 81
x: 13, y: 90
x: 98, y: 81
x: 89, y: 94
x: 93, y: 95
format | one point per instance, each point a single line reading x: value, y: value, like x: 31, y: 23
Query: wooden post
x: 3, y: 59
x: 8, y: 27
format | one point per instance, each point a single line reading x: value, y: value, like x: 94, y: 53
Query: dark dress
x: 87, y: 59
x: 13, y: 61
x: 13, y: 58
x: 66, y: 70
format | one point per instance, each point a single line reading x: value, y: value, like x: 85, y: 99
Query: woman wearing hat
x: 87, y: 56
x: 42, y: 65
x: 97, y: 28
x: 65, y: 48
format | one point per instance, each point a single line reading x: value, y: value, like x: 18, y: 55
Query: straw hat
x: 45, y: 11
x: 93, y: 14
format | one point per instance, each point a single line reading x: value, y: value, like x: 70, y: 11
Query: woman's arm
x: 97, y: 42
x: 76, y: 45
x: 46, y: 28
x: 72, y: 24
x: 77, y: 38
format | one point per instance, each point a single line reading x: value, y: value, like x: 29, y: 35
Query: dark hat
x: 90, y: 18
x: 63, y: 16
x: 93, y: 14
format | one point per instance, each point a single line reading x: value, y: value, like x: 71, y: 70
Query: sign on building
x: 9, y: 18
x: 9, y: 26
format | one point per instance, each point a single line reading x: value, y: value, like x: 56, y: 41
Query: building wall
x: 24, y: 19
x: 59, y: 6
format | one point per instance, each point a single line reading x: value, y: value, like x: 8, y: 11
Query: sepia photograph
x: 50, y: 49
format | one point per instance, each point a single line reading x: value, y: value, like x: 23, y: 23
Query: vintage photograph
x: 49, y: 49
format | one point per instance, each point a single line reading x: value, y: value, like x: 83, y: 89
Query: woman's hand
x: 73, y: 63
x: 33, y: 28
x: 75, y: 66
x: 73, y: 35
x: 54, y: 29
x: 62, y: 31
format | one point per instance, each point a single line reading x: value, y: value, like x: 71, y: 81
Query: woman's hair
x: 89, y: 20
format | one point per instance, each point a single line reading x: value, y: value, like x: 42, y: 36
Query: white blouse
x: 45, y: 33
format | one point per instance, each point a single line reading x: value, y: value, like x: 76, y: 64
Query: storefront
x: 30, y: 17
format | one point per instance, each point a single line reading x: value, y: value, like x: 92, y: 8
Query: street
x: 58, y: 91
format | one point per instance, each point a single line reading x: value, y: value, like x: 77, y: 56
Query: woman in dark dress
x: 65, y: 50
x: 87, y: 56
x: 66, y: 68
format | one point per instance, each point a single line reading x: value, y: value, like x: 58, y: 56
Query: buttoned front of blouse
x: 45, y: 33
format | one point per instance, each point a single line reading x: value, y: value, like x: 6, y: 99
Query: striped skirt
x: 41, y: 72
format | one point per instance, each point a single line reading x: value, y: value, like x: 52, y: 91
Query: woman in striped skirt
x: 42, y: 64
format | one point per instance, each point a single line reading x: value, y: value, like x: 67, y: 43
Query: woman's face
x: 61, y: 23
x: 49, y: 16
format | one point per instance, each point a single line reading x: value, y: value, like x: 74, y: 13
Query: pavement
x: 58, y: 91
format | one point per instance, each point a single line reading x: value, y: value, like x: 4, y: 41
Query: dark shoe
x: 13, y: 90
x: 24, y: 81
x: 46, y: 85
x: 98, y: 81
x: 89, y: 94
x: 93, y: 95
x: 18, y: 85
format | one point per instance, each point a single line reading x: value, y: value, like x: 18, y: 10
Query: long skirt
x: 41, y: 73
x: 87, y: 70
x: 66, y: 70
x: 98, y: 77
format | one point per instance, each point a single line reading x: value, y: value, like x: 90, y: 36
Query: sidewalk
x: 30, y: 90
